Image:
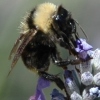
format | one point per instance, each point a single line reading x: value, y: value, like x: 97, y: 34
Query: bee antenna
x: 81, y: 28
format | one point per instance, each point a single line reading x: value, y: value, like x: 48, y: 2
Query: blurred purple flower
x: 82, y: 48
x: 42, y: 83
x: 56, y: 95
x: 32, y: 98
x: 38, y: 95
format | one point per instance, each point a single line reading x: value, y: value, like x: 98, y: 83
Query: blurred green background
x: 21, y: 83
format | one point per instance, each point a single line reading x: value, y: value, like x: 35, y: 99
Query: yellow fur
x: 43, y: 16
x: 24, y: 29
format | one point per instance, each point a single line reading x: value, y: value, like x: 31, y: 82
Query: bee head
x: 65, y: 27
x: 64, y: 20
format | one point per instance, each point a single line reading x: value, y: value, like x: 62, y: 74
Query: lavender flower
x: 70, y: 82
x: 56, y: 95
x: 87, y: 78
x: 85, y: 67
x: 91, y: 93
x: 95, y: 62
x: 32, y: 98
x: 80, y: 86
x: 82, y: 48
x: 42, y: 83
x: 97, y: 79
x: 75, y: 96
x: 82, y: 45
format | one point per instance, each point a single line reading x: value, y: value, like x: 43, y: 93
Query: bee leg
x: 63, y: 62
x: 66, y: 62
x: 54, y: 78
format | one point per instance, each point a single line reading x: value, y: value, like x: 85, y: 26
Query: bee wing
x: 18, y: 41
x: 27, y: 37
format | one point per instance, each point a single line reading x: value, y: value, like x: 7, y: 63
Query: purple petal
x: 32, y: 98
x: 39, y: 95
x: 56, y: 95
x: 82, y: 45
x: 83, y: 55
x: 42, y: 83
x: 68, y: 80
x: 68, y: 74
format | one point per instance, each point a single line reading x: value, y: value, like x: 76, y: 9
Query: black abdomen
x: 37, y: 53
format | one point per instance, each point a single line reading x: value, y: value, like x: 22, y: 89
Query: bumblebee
x: 42, y: 28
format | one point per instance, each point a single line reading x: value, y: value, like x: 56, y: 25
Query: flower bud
x: 87, y: 78
x: 91, y: 93
x: 75, y: 96
x: 95, y: 62
x: 85, y: 66
x: 70, y: 82
x: 97, y: 79
x: 86, y: 95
